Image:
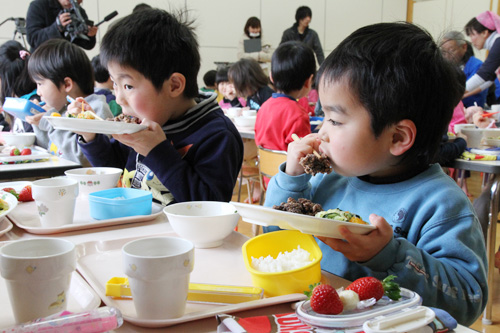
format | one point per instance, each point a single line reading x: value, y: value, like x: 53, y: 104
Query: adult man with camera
x: 47, y: 19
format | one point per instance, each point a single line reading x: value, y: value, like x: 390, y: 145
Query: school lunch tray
x: 99, y: 261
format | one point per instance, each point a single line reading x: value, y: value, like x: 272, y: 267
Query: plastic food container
x: 287, y: 282
x: 120, y: 202
x: 385, y: 312
x: 20, y: 107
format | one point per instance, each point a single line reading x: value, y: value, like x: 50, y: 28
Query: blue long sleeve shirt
x: 437, y: 250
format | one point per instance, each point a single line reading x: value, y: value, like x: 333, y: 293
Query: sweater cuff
x: 291, y: 183
x: 380, y: 262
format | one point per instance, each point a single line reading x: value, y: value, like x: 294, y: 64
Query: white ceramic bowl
x: 205, y: 223
x: 19, y: 140
x: 244, y: 121
x: 234, y: 112
x: 249, y: 113
x: 95, y: 178
x: 474, y: 136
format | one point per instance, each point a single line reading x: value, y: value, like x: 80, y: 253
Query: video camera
x: 79, y: 27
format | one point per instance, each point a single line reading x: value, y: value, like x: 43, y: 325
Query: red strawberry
x: 26, y: 151
x: 368, y: 287
x: 25, y: 194
x: 15, y: 152
x: 11, y: 191
x: 325, y: 300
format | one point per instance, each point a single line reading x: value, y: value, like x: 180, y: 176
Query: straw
x: 296, y: 138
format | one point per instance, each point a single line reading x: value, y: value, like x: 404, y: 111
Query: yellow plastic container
x: 288, y: 282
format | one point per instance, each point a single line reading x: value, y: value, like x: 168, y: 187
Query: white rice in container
x: 287, y: 261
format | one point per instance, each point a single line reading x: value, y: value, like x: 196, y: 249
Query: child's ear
x: 403, y: 137
x: 271, y: 77
x: 309, y: 82
x: 176, y: 84
x: 68, y: 84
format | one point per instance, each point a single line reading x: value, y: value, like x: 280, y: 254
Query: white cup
x: 158, y: 270
x: 55, y: 200
x: 38, y: 274
x: 459, y: 127
x: 249, y: 113
x: 234, y: 112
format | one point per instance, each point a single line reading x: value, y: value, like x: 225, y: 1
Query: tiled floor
x: 474, y: 185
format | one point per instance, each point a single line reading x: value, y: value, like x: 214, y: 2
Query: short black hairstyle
x: 474, y: 25
x: 209, y: 78
x: 302, y: 12
x: 56, y: 59
x: 14, y: 77
x: 141, y: 6
x: 247, y: 76
x: 156, y: 44
x: 221, y: 75
x: 292, y: 64
x: 397, y: 72
x: 101, y: 73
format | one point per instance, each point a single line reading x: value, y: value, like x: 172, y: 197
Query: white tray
x: 26, y: 216
x: 94, y: 125
x: 80, y: 298
x: 316, y: 226
x: 36, y: 155
x: 99, y: 261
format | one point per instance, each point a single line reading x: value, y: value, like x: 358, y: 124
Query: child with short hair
x: 62, y: 69
x: 189, y: 151
x: 292, y: 70
x: 379, y: 90
x: 104, y: 85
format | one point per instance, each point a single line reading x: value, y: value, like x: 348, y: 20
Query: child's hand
x: 362, y: 247
x: 299, y: 149
x: 143, y: 141
x: 75, y: 107
x: 35, y: 119
x: 471, y: 111
x: 480, y: 121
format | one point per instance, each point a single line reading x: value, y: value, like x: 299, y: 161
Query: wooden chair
x: 269, y: 162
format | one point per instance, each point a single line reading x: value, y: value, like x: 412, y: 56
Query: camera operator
x: 47, y: 19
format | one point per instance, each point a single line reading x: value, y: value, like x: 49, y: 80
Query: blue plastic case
x: 20, y: 107
x: 120, y: 202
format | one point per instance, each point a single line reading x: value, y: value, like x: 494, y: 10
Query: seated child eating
x: 62, y: 69
x: 190, y: 150
x: 388, y: 95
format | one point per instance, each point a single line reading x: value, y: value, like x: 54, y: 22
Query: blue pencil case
x: 20, y: 107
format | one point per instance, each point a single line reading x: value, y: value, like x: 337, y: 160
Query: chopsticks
x: 489, y: 114
x: 296, y: 138
x: 71, y: 100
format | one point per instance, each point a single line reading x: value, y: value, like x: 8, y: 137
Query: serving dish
x: 316, y: 226
x: 5, y: 225
x: 94, y: 126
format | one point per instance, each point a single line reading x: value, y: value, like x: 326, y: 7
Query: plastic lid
x: 405, y: 320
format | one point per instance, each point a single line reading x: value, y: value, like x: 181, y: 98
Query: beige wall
x: 219, y: 23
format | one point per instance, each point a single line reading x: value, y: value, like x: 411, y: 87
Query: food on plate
x: 3, y: 205
x: 325, y: 300
x: 313, y: 164
x: 86, y: 115
x: 368, y: 287
x: 26, y: 151
x: 287, y: 261
x: 15, y: 152
x: 340, y: 215
x: 350, y: 299
x: 55, y: 114
x: 24, y: 195
x: 11, y: 191
x: 300, y: 206
x: 126, y: 119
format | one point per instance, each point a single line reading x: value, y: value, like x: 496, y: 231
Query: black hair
x: 156, y: 44
x: 291, y: 65
x: 221, y: 75
x: 397, y: 72
x: 302, y: 12
x: 56, y: 59
x: 247, y: 76
x: 474, y: 25
x: 101, y: 74
x: 14, y: 77
x: 209, y: 78
x: 253, y: 22
x: 141, y: 6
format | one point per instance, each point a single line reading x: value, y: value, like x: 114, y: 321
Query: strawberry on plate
x: 325, y: 300
x: 370, y: 287
x: 25, y: 194
x: 15, y: 152
x: 11, y: 191
x: 26, y: 151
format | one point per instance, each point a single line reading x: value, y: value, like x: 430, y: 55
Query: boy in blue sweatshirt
x: 388, y: 95
x: 190, y: 150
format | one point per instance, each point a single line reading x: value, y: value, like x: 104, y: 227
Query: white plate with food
x: 27, y: 218
x: 94, y: 125
x: 35, y: 156
x: 7, y: 203
x: 316, y: 226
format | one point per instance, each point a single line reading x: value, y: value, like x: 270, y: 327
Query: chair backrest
x: 269, y: 162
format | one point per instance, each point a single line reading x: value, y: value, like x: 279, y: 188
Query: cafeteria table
x: 492, y: 168
x: 54, y: 166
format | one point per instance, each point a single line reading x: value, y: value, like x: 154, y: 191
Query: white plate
x: 316, y: 226
x: 492, y: 142
x: 99, y: 261
x: 36, y: 155
x: 5, y: 225
x: 26, y: 217
x: 11, y: 201
x: 80, y: 298
x: 94, y: 126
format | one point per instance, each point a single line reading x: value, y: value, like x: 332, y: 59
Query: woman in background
x: 253, y: 30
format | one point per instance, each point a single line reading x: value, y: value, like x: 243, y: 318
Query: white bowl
x: 95, y: 178
x: 205, y: 223
x: 244, y: 121
x: 474, y: 136
x: 234, y: 112
x: 249, y: 113
x: 19, y: 140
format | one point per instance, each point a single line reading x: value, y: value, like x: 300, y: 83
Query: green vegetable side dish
x: 340, y: 215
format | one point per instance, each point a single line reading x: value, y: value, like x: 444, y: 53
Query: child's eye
x: 333, y: 122
x: 127, y: 86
